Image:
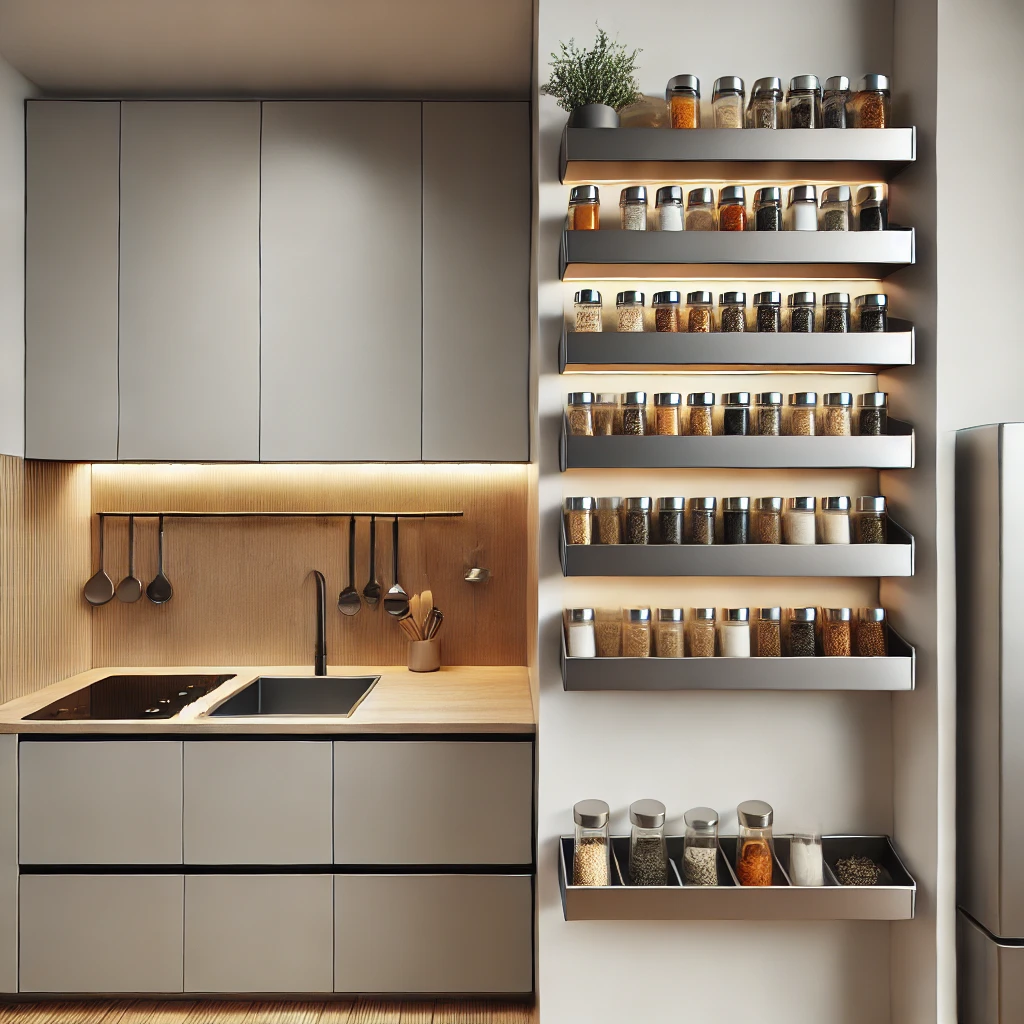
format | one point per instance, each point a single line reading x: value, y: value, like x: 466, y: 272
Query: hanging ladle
x: 348, y: 599
x: 396, y: 600
x: 100, y: 588
x: 129, y: 590
x: 160, y: 590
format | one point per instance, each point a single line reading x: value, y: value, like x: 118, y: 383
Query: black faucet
x: 320, y: 652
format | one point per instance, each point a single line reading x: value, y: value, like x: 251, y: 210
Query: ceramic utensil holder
x: 425, y: 655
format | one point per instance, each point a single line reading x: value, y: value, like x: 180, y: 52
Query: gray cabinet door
x: 101, y: 933
x: 433, y: 933
x: 190, y: 281
x: 71, y: 217
x: 254, y: 802
x: 100, y: 802
x: 341, y: 259
x: 476, y: 282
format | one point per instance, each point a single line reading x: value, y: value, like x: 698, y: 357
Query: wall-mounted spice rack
x: 730, y: 901
x: 596, y: 155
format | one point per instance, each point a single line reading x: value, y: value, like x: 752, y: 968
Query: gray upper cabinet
x: 190, y: 281
x: 476, y: 282
x: 341, y: 253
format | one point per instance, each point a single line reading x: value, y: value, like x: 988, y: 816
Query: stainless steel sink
x: 337, y: 696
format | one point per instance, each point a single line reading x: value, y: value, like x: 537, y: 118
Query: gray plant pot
x: 594, y: 115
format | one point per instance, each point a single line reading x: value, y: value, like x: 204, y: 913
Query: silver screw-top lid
x: 805, y: 83
x: 637, y: 614
x: 836, y: 298
x: 767, y: 85
x: 700, y: 298
x: 633, y: 194
x: 581, y: 397
x: 873, y: 400
x: 639, y: 504
x: 629, y: 299
x: 736, y: 398
x: 669, y: 298
x: 634, y: 398
x: 668, y: 398
x: 871, y: 503
x: 736, y: 504
x: 873, y: 83
x: 872, y: 615
x: 591, y: 813
x: 647, y: 813
x: 803, y: 194
x: 737, y: 614
x: 682, y: 82
x: 701, y: 398
x: 668, y: 194
x: 838, y: 398
x: 609, y: 504
x: 838, y: 614
x: 804, y: 503
x: 769, y: 614
x: 670, y: 614
x: 727, y: 83
x: 701, y: 817
x: 700, y: 195
x: 581, y: 614
x: 704, y: 614
x: 871, y: 193
x: 768, y: 504
x: 804, y: 398
x: 836, y: 194
x: 584, y: 194
x: 803, y: 614
x: 703, y: 504
x: 768, y: 194
x: 672, y: 504
x: 732, y: 194
x: 837, y: 83
x: 587, y: 296
x: 769, y: 398
x: 732, y: 299
x: 874, y: 301
x: 838, y: 503
x: 606, y: 398
x: 579, y: 504
x: 803, y: 299
x: 767, y: 298
x: 755, y: 814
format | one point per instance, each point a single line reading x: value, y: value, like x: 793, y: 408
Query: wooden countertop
x: 461, y: 699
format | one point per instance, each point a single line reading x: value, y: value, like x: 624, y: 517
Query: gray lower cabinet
x: 257, y: 802
x: 433, y: 933
x: 258, y: 933
x: 101, y: 933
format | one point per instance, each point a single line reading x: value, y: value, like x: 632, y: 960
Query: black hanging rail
x: 280, y: 515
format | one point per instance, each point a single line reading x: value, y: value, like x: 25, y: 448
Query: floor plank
x: 337, y: 1011
x: 84, y: 1012
x: 372, y: 1011
x: 470, y: 1011
x: 149, y: 1011
x: 284, y: 1013
x: 417, y: 1013
x: 218, y: 1012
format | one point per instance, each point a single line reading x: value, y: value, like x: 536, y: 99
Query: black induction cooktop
x: 128, y: 698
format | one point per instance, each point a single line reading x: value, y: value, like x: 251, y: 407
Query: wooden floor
x: 361, y: 1011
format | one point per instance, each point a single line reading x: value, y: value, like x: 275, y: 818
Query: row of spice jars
x: 601, y: 414
x: 805, y: 105
x: 739, y: 633
x: 744, y: 520
x: 669, y: 314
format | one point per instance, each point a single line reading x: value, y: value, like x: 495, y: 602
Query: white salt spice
x: 798, y: 525
x: 670, y: 217
x: 805, y: 863
x: 581, y: 637
x: 835, y: 528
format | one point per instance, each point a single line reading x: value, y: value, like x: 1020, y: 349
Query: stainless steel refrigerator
x: 990, y: 723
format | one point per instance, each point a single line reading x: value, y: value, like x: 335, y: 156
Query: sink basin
x: 337, y: 696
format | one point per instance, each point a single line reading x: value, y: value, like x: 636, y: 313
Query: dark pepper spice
x: 768, y: 218
x: 734, y: 319
x: 769, y: 319
x: 872, y: 422
x: 837, y: 319
x: 802, y: 319
x: 670, y: 526
x: 736, y: 420
x: 874, y: 320
x: 869, y: 529
x: 801, y: 639
x: 638, y: 526
x: 737, y: 525
x: 702, y: 527
x: 836, y: 220
x: 874, y: 218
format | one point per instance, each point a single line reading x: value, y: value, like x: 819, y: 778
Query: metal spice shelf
x: 894, y: 672
x: 651, y: 352
x: 729, y: 901
x: 892, y: 451
x: 590, y: 155
x: 590, y: 255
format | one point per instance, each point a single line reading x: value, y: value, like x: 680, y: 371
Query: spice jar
x: 802, y: 416
x: 833, y: 104
x: 633, y: 208
x: 835, y: 421
x: 683, y: 97
x: 835, y: 209
x: 580, y: 639
x: 872, y: 633
x: 835, y: 520
x: 700, y: 312
x: 870, y: 103
x: 587, y: 304
x: 803, y: 307
x: 870, y: 520
x: 768, y: 209
x: 803, y: 208
x: 836, y: 633
x: 637, y: 516
x: 873, y: 414
x: 768, y: 520
x: 768, y: 311
x: 700, y: 210
x: 872, y: 209
x: 668, y: 311
x: 580, y: 413
x: 754, y: 857
x: 734, y: 633
x: 765, y: 110
x: 666, y: 413
x: 804, y: 102
x: 636, y: 632
x: 769, y: 413
x: 629, y: 309
x: 648, y: 852
x: 769, y: 632
x: 608, y: 517
x: 584, y: 208
x: 801, y: 632
x: 671, y: 628
x: 806, y: 865
x: 798, y: 525
x: 671, y: 512
x: 872, y: 313
x: 736, y: 520
x: 702, y: 520
x: 732, y: 208
x: 736, y: 418
x: 579, y: 520
x: 592, y: 857
x: 668, y: 202
x: 837, y: 312
x: 702, y: 633
x: 701, y: 404
x: 727, y: 102
x: 732, y: 312
x: 634, y: 413
x: 608, y: 630
x: 700, y: 846
x: 604, y: 408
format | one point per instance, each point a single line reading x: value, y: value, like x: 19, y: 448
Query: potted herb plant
x: 595, y: 84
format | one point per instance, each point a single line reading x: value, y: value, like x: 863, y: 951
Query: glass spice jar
x: 633, y: 208
x: 769, y: 632
x: 702, y: 520
x: 634, y: 413
x: 806, y: 864
x: 873, y: 414
x: 579, y: 520
x: 732, y: 208
x: 803, y: 208
x: 671, y: 513
x: 736, y: 520
x: 608, y: 519
x: 669, y: 639
x: 683, y: 97
x: 804, y: 102
x: 727, y: 102
x: 700, y: 312
x: 736, y: 415
x: 872, y: 634
x: 836, y: 418
x: 666, y: 413
x: 701, y: 405
x: 769, y: 413
x: 637, y: 521
x: 765, y: 109
x: 648, y: 852
x: 579, y: 633
x: 798, y: 524
x: 872, y: 313
x: 768, y: 209
x: 768, y: 311
x: 870, y: 103
x: 837, y: 633
x: 608, y: 631
x: 584, y: 208
x: 768, y: 520
x: 668, y: 311
x: 592, y: 849
x: 837, y: 312
x: 605, y: 408
x: 802, y: 628
x: 734, y: 633
x: 668, y: 202
x: 835, y: 209
x: 870, y: 520
x: 802, y: 413
x: 835, y: 520
x: 700, y: 210
x: 700, y: 847
x: 872, y: 209
x: 754, y: 856
x: 580, y: 413
x: 702, y: 633
x: 629, y: 311
x: 732, y: 312
x: 587, y: 306
x: 803, y: 308
x: 833, y: 104
x: 636, y: 632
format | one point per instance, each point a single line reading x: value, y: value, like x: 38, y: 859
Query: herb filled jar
x: 872, y: 209
x: 835, y: 520
x: 798, y: 523
x: 702, y: 520
x: 701, y: 405
x: 592, y: 850
x: 803, y: 413
x: 835, y: 209
x: 668, y: 311
x: 734, y: 633
x: 608, y: 519
x: 637, y: 521
x: 580, y: 413
x: 579, y: 520
x: 736, y: 414
x: 700, y: 210
x: 872, y: 634
x: 732, y: 208
x: 769, y: 632
x: 666, y: 413
x: 754, y: 856
x: 668, y: 202
x: 765, y: 110
x: 803, y: 309
x: 683, y: 97
x: 587, y: 306
x: 871, y: 102
x: 629, y: 311
x: 836, y: 417
x: 802, y: 629
x: 768, y: 520
x: 803, y: 208
x: 732, y: 312
x: 671, y: 516
x: 633, y: 208
x: 872, y: 313
x: 605, y: 408
x: 769, y: 413
x: 702, y: 633
x: 584, y: 208
x: 834, y: 102
x: 870, y: 520
x: 700, y: 312
x: 608, y: 631
x: 768, y: 312
x: 700, y: 847
x: 727, y: 102
x: 837, y: 313
x: 768, y: 209
x: 837, y: 633
x: 736, y: 520
x: 873, y: 414
x: 669, y: 639
x: 636, y: 632
x: 804, y: 102
x: 806, y: 863
x: 579, y: 631
x: 634, y: 413
x: 648, y: 852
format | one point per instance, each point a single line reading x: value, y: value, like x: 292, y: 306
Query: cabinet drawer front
x: 412, y: 802
x: 100, y: 802
x: 257, y: 802
x: 101, y: 933
x: 258, y: 933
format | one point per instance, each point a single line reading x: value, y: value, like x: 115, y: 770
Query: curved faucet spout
x: 320, y: 652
